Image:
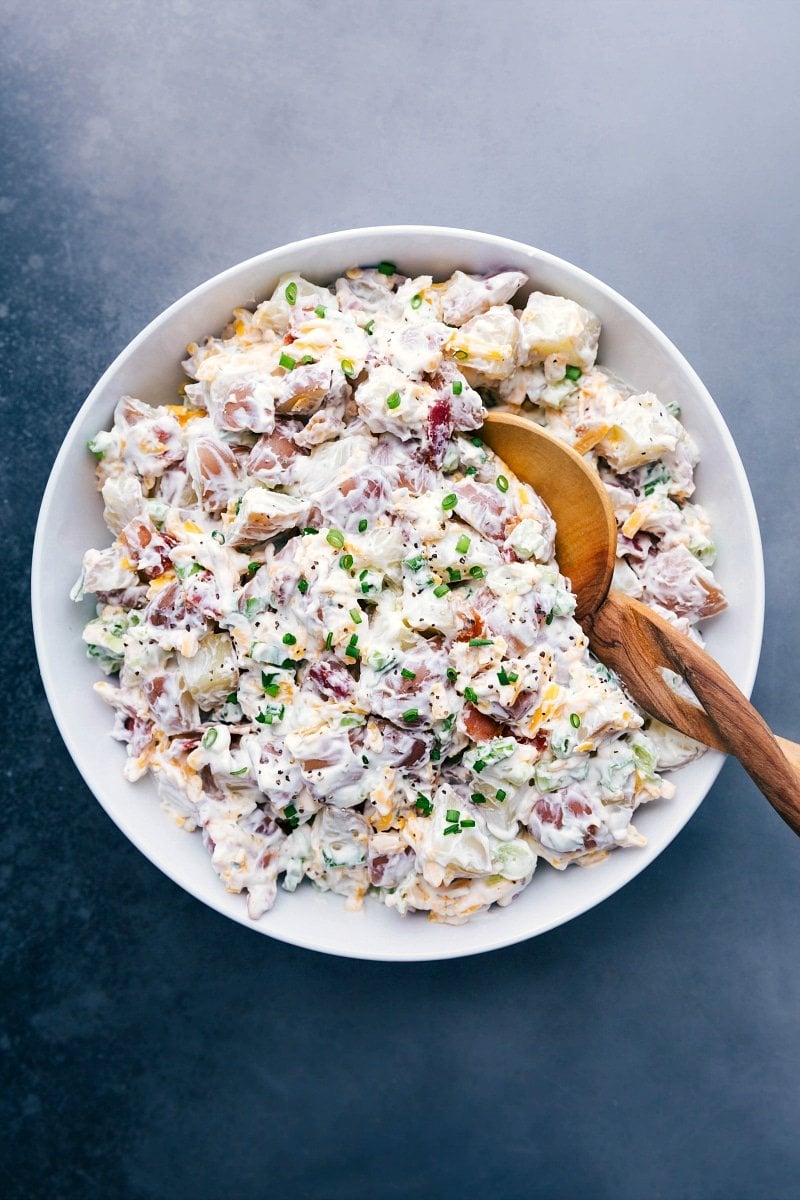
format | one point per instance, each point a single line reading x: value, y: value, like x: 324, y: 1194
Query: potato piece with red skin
x: 275, y: 454
x: 215, y: 471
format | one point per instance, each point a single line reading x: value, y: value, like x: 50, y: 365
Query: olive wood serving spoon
x: 628, y: 636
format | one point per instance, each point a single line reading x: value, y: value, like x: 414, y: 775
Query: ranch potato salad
x: 340, y: 638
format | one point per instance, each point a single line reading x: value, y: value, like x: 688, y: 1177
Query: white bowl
x: 71, y: 520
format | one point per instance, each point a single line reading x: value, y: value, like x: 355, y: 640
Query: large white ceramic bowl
x: 71, y: 520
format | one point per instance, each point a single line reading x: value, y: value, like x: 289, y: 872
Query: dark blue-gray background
x: 152, y: 1049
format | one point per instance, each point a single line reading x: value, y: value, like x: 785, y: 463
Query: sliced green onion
x: 352, y: 651
x: 302, y: 586
x: 310, y: 529
x: 416, y: 562
x: 408, y: 674
x: 423, y: 805
x: 218, y: 537
x: 436, y: 754
x: 387, y: 268
x: 307, y: 360
x: 290, y: 811
x: 476, y: 572
x: 573, y: 373
x: 455, y: 576
x: 416, y: 301
x: 441, y: 590
x: 476, y: 441
x: 370, y: 325
x: 470, y: 470
x: 329, y: 641
x: 287, y: 362
x: 231, y: 698
x: 411, y: 714
x: 289, y: 664
x: 346, y: 562
x: 194, y: 569
x: 452, y: 674
x: 241, y: 771
x: 549, y: 618
x: 348, y: 368
x: 461, y: 355
x: 393, y: 401
x: 319, y: 311
x: 468, y: 823
x: 353, y: 639
x: 504, y: 679
x: 253, y: 567
x: 452, y: 829
x: 355, y: 613
x: 289, y: 639
x: 478, y: 798
x: 513, y: 677
x: 502, y: 483
x: 335, y: 538
x: 452, y: 814
x: 458, y: 387
x: 470, y: 694
x: 362, y: 528
x: 463, y: 544
x: 209, y: 737
x: 273, y: 690
x: 575, y: 720
x: 481, y: 641
x: 500, y: 794
x: 450, y: 501
x: 478, y: 765
x: 290, y: 292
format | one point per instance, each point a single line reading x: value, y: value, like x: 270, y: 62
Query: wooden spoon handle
x: 635, y: 642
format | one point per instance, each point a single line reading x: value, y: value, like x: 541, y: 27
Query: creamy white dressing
x: 342, y: 642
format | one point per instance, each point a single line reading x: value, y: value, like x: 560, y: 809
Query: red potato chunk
x: 304, y: 389
x: 331, y: 680
x: 678, y: 581
x: 484, y: 507
x: 146, y: 548
x: 405, y: 747
x: 170, y: 609
x: 246, y: 406
x: 216, y: 473
x: 387, y: 870
x: 465, y: 296
x: 274, y: 454
x: 173, y: 710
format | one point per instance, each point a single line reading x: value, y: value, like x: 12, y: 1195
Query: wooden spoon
x: 627, y: 635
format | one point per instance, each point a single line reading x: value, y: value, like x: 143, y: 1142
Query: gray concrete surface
x: 152, y: 1049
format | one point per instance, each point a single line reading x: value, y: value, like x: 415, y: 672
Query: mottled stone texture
x: 152, y: 1049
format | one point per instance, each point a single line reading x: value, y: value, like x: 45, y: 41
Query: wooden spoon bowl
x: 628, y: 636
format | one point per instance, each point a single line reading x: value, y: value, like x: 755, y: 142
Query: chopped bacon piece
x: 480, y: 727
x: 439, y: 429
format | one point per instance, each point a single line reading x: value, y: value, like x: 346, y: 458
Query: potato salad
x: 331, y: 620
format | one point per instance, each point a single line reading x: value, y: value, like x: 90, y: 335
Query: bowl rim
x: 747, y: 672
